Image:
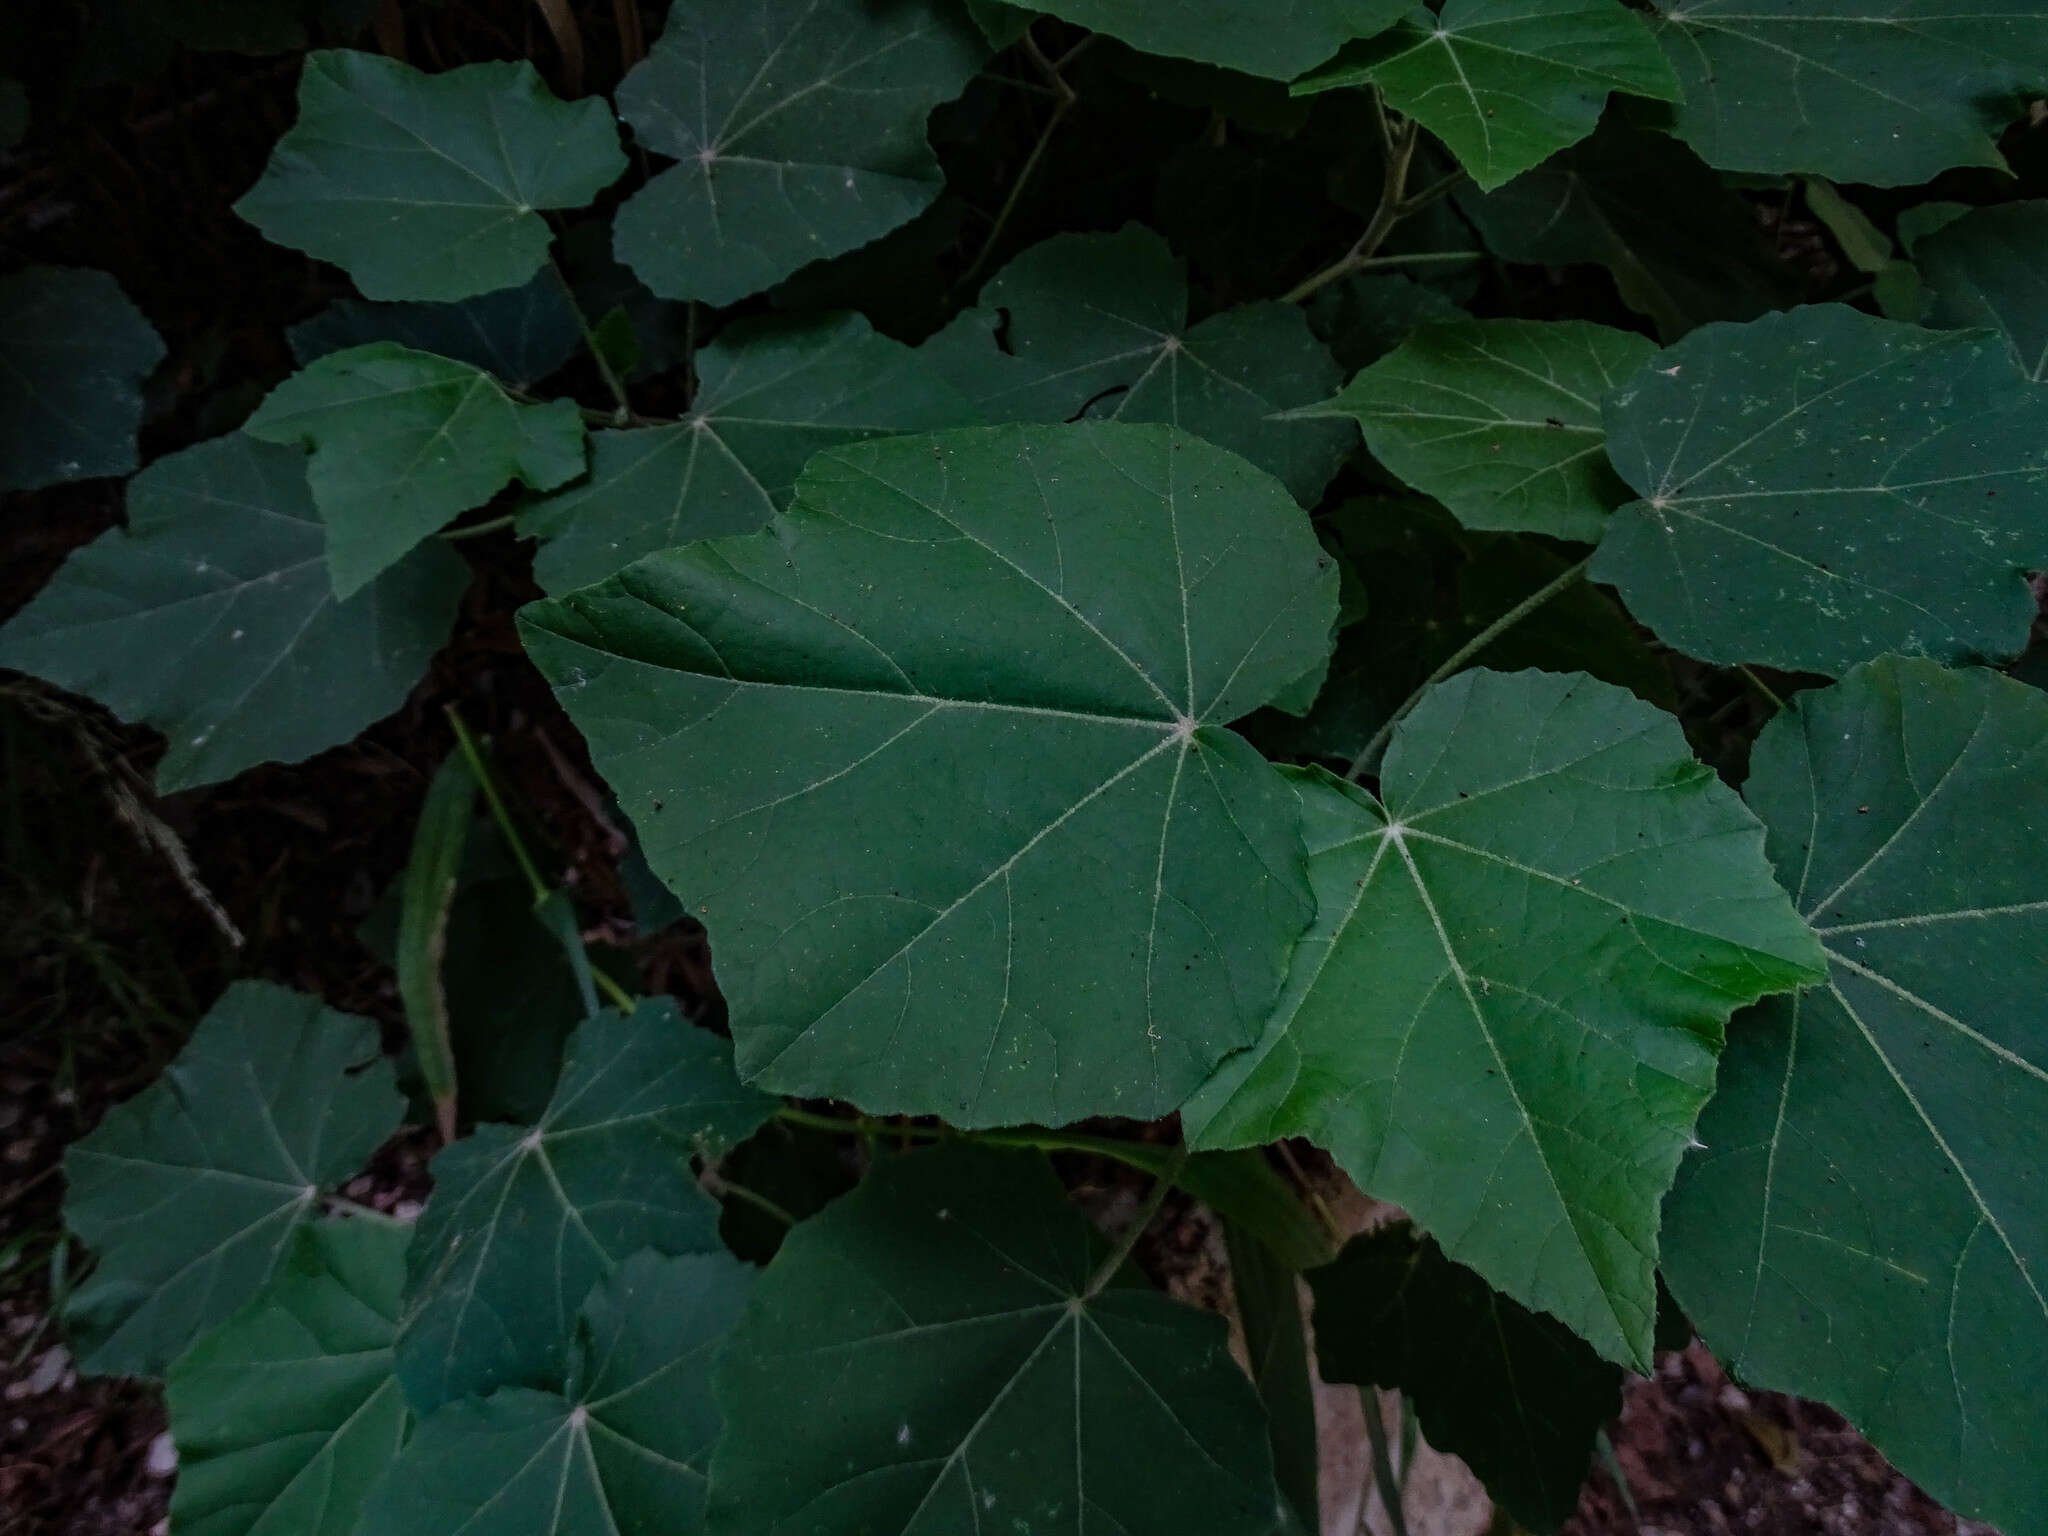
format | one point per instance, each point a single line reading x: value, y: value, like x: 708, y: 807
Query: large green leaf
x: 1500, y: 420
x: 1278, y: 42
x: 521, y: 335
x: 430, y: 186
x: 624, y: 1446
x: 940, y: 760
x: 1682, y: 247
x: 1867, y: 1222
x: 73, y: 355
x: 287, y: 1413
x: 937, y: 1337
x: 403, y: 441
x: 1507, y: 86
x: 190, y: 1191
x: 211, y: 617
x: 1099, y: 324
x: 1821, y: 487
x: 1887, y: 92
x: 799, y: 126
x: 524, y: 1221
x: 770, y: 394
x: 1517, y: 1395
x: 1506, y: 1015
x: 1986, y: 269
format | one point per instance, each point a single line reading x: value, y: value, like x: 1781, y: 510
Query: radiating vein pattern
x: 1506, y: 1015
x: 1820, y: 487
x: 947, y: 737
x: 1867, y: 1222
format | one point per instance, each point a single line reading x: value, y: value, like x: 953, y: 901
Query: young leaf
x: 1886, y: 95
x: 1682, y: 247
x: 1506, y: 1015
x: 286, y: 1414
x: 1985, y: 269
x: 429, y: 186
x: 799, y: 126
x: 190, y: 1191
x: 520, y: 335
x: 210, y: 617
x: 1506, y: 86
x: 624, y: 1447
x: 432, y: 874
x: 770, y: 394
x: 1267, y: 1291
x: 938, y: 1337
x: 940, y: 760
x: 1278, y: 42
x: 73, y: 355
x: 1515, y: 1394
x: 1867, y: 1221
x: 1099, y: 323
x: 1820, y: 487
x: 1500, y: 420
x: 524, y: 1221
x: 403, y: 441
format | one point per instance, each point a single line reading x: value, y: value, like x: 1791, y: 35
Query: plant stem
x: 1383, y: 1480
x: 1763, y: 688
x: 1067, y: 98
x: 1369, y: 755
x: 1114, y: 1260
x: 477, y: 530
x: 716, y: 1184
x: 624, y: 413
x: 496, y: 802
x: 1393, y: 207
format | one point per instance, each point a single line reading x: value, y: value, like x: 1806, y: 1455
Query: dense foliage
x: 1204, y: 564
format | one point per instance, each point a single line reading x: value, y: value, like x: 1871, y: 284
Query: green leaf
x: 1866, y: 246
x: 1500, y: 420
x: 1985, y: 269
x: 799, y: 126
x: 1277, y: 42
x: 623, y: 1448
x: 210, y: 617
x: 1267, y: 1291
x: 1820, y: 487
x: 1363, y: 318
x: 429, y: 186
x: 770, y: 394
x: 1516, y: 1395
x: 1682, y: 247
x: 1506, y: 1015
x: 1099, y: 323
x: 1506, y: 87
x: 427, y: 898
x: 287, y: 1413
x: 1068, y: 889
x: 73, y: 355
x: 1886, y: 95
x: 936, y: 1335
x: 521, y: 335
x: 524, y: 1221
x: 190, y: 1191
x: 1923, y: 219
x: 403, y: 441
x: 1867, y: 1222
x: 14, y: 113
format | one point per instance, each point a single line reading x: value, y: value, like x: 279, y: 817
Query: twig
x: 1400, y: 145
x: 1068, y: 97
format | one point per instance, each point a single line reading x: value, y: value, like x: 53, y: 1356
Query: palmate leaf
x: 404, y: 441
x: 770, y: 394
x: 1500, y: 420
x: 799, y: 126
x: 524, y: 1221
x: 1985, y: 269
x: 1506, y: 87
x: 1821, y: 487
x: 928, y: 1354
x: 1099, y: 323
x: 211, y: 617
x: 429, y: 186
x: 1278, y: 42
x: 1506, y: 1015
x: 73, y: 356
x: 286, y: 1414
x: 190, y: 1191
x: 1867, y: 1222
x: 940, y: 760
x: 625, y: 1445
x: 1883, y: 92
x: 1516, y: 1395
x: 519, y: 335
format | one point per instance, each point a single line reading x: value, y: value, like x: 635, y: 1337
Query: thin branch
x: 1068, y: 97
x: 1391, y: 210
